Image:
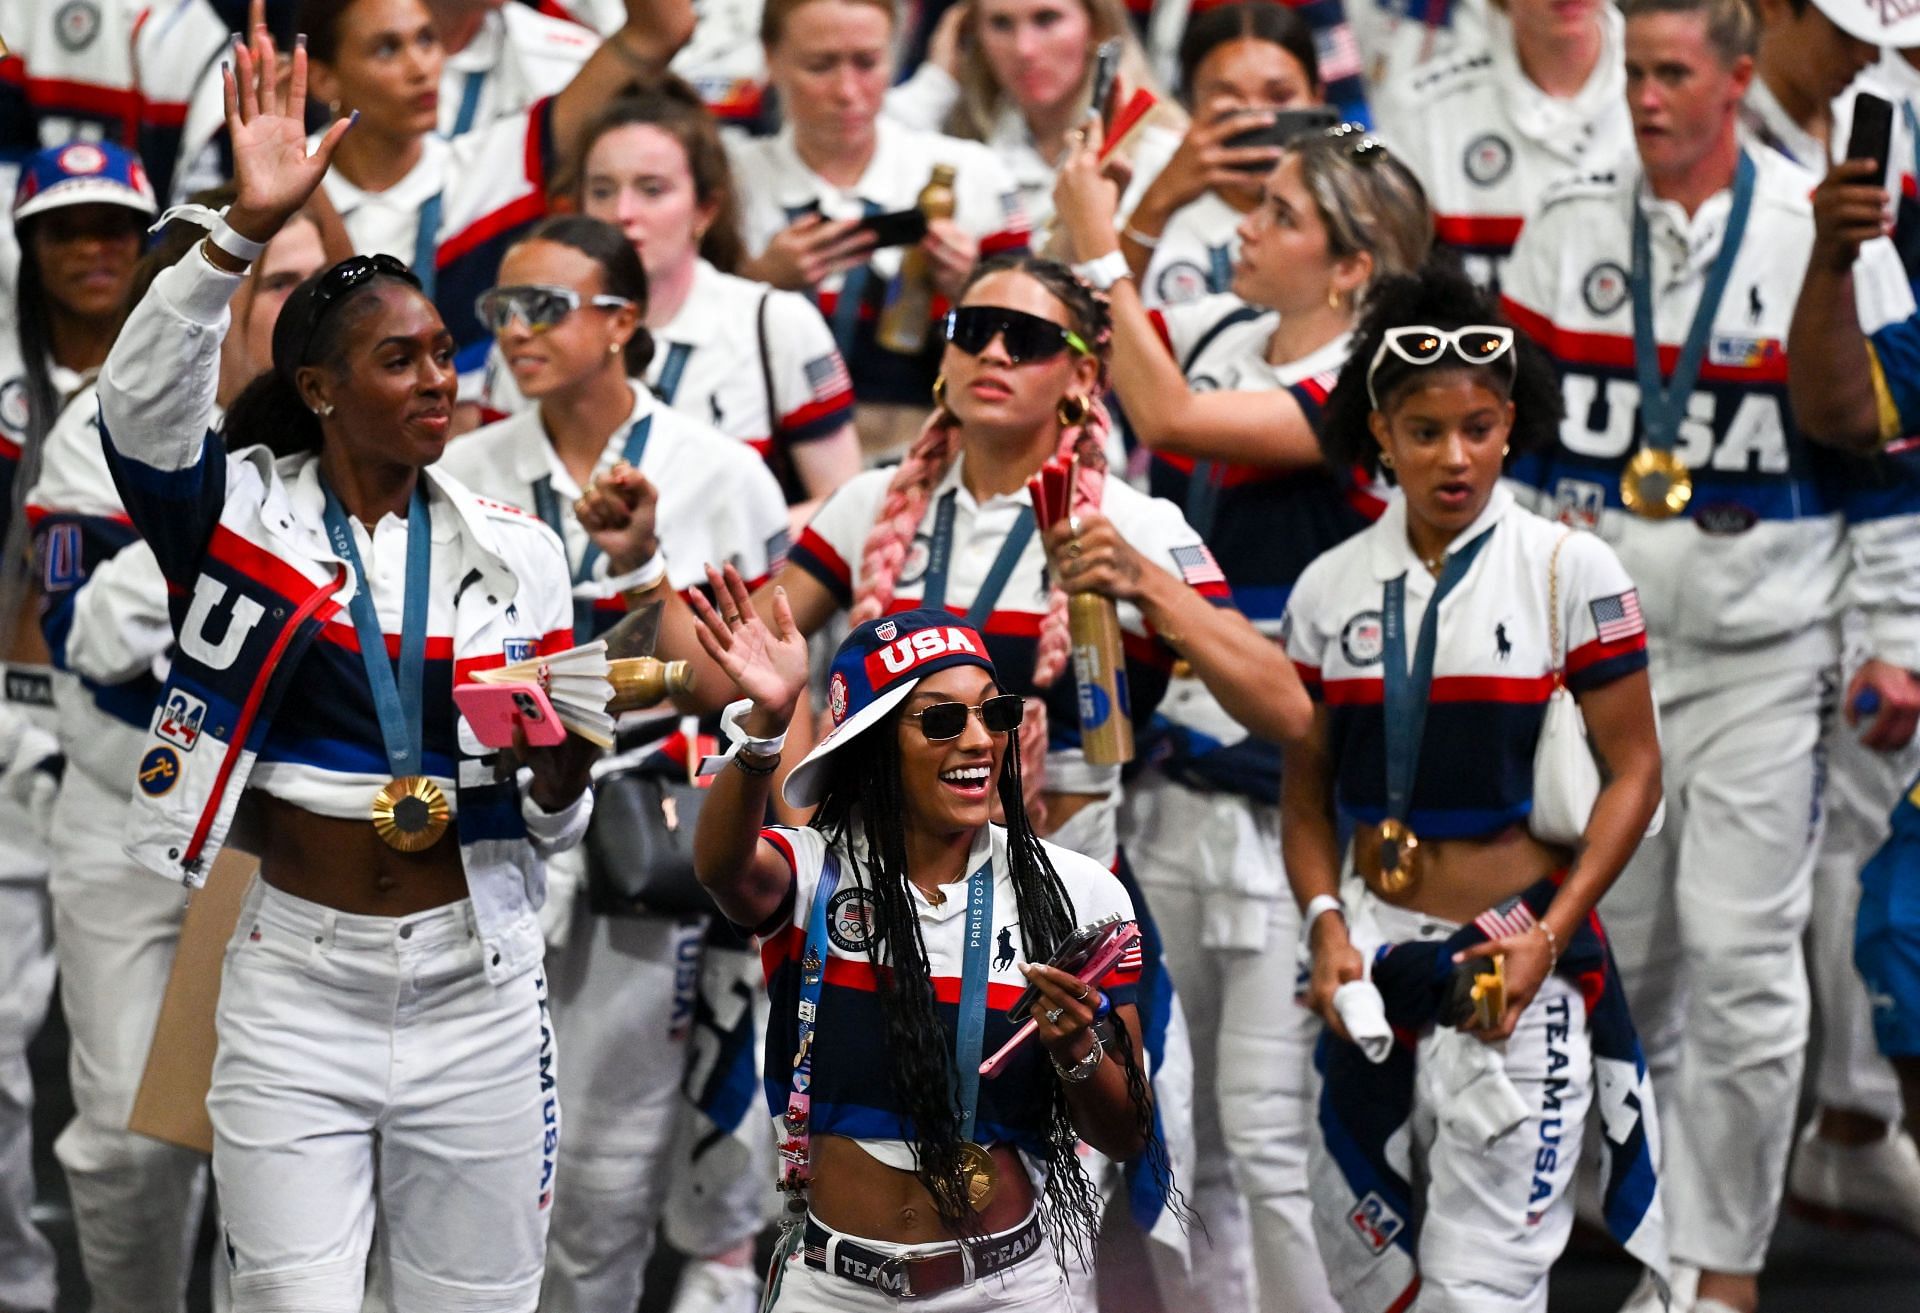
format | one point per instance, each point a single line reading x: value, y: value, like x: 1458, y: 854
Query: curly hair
x: 862, y: 814
x: 1442, y: 296
x: 904, y: 503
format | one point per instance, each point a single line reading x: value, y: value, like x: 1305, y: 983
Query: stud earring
x: 1333, y: 298
x: 1386, y: 460
x: 325, y: 411
x: 613, y: 348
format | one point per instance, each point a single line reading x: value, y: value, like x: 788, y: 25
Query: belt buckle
x: 896, y: 1267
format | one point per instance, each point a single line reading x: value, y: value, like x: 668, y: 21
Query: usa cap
x: 82, y: 173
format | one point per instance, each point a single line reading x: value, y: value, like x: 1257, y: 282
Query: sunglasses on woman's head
x: 941, y: 721
x: 537, y: 305
x: 336, y: 282
x: 1423, y: 344
x: 1025, y: 337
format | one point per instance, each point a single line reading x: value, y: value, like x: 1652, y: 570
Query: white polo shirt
x: 518, y: 56
x: 1195, y: 254
x: 1485, y: 141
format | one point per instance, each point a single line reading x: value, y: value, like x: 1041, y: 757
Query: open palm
x: 273, y: 172
x: 767, y: 664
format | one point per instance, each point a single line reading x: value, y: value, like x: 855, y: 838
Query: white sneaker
x: 1646, y: 1296
x: 709, y: 1287
x: 1866, y: 1183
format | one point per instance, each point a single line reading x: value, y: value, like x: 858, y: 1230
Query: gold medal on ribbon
x: 1656, y: 484
x: 1489, y: 994
x: 410, y: 813
x: 980, y: 1174
x: 1400, y: 859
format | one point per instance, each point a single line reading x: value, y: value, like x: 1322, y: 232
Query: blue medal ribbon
x: 396, y: 702
x: 426, y: 245
x: 933, y: 591
x: 469, y: 102
x: 1219, y: 269
x: 546, y: 505
x: 1405, y: 691
x: 670, y: 371
x: 970, y: 1026
x: 1663, y: 406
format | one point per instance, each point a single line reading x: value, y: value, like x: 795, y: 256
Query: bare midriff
x: 855, y: 1193
x: 344, y: 865
x: 1461, y: 878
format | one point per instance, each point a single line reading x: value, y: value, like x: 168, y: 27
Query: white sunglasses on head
x: 1423, y: 344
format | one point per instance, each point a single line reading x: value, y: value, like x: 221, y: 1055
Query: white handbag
x: 1566, y: 778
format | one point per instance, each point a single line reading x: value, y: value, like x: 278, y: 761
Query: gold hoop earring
x: 1386, y: 460
x: 1070, y: 411
x: 940, y: 393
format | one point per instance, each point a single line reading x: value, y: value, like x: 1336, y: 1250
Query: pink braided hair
x: 901, y: 509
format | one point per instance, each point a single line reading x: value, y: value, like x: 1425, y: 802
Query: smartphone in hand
x: 1872, y: 135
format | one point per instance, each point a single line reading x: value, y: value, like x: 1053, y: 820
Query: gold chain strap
x: 1553, y: 612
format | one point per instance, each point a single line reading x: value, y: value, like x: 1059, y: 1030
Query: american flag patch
x: 1338, y: 53
x: 828, y: 376
x: 1618, y: 617
x: 1511, y: 918
x: 1013, y: 210
x: 777, y: 547
x: 1197, y: 565
x: 1130, y: 960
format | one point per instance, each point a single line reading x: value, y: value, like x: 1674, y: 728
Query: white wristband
x: 742, y: 741
x: 640, y: 578
x: 1104, y: 272
x: 1318, y: 906
x: 221, y: 233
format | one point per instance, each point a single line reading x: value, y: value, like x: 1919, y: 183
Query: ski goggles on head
x: 1025, y: 337
x: 948, y: 720
x: 539, y: 306
x: 1423, y: 345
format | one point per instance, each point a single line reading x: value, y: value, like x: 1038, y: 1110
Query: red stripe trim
x: 1407, y: 1296
x: 257, y: 563
x: 1477, y: 229
x: 1159, y: 322
x: 37, y: 514
x: 13, y: 70
x: 487, y: 227
x: 1446, y: 688
x: 817, y: 547
x: 1007, y: 239
x: 1592, y: 654
x: 164, y: 113
x: 341, y: 633
x: 849, y: 974
x: 556, y: 640
x: 815, y: 410
x: 243, y: 724
x: 1614, y: 351
x: 1309, y: 675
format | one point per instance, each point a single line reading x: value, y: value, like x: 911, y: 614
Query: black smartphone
x: 1287, y: 125
x: 1106, y: 75
x: 1872, y: 133
x: 895, y: 228
x: 1083, y: 946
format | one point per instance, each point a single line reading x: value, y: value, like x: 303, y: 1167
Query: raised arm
x: 1252, y: 428
x: 638, y: 51
x: 1830, y: 378
x: 746, y: 875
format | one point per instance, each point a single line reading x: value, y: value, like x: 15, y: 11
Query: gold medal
x: 1399, y: 857
x: 1489, y: 994
x: 1656, y: 484
x: 980, y: 1174
x: 410, y: 813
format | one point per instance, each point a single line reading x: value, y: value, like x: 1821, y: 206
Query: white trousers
x: 1252, y: 1043
x: 623, y: 1003
x: 1706, y: 923
x: 136, y: 1201
x: 1034, y: 1284
x: 367, y: 1067
x: 1862, y: 788
x: 1496, y: 1216
x: 26, y: 984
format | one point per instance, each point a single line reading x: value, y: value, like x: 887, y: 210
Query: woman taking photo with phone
x: 642, y: 496
x: 382, y: 1001
x: 805, y: 193
x: 1429, y: 722
x: 898, y: 929
x: 1226, y: 392
x: 653, y: 166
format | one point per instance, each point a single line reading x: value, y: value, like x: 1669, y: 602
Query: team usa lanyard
x: 426, y: 245
x: 1658, y: 484
x: 813, y: 971
x: 397, y: 700
x: 933, y: 592
x: 1406, y: 690
x: 970, y: 1026
x: 670, y: 371
x: 547, y: 506
x: 469, y: 102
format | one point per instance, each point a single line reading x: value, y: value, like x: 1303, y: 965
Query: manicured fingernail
x: 300, y: 41
x: 353, y: 118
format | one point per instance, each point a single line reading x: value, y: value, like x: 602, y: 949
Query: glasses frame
x: 1068, y: 340
x: 1449, y: 340
x: 979, y: 709
x: 572, y: 298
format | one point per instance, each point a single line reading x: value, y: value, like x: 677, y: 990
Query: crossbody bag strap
x: 1553, y: 612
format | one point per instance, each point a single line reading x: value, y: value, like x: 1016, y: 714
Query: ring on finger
x: 1074, y: 549
x: 1073, y: 525
x: 1053, y: 1015
x: 1086, y: 992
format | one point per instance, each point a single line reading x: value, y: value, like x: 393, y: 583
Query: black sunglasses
x: 1025, y: 337
x: 948, y: 720
x: 336, y: 282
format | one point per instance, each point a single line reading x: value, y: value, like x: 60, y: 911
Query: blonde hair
x: 981, y: 98
x: 1367, y: 199
x: 778, y: 13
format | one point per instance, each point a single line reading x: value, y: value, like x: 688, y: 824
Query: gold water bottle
x: 1100, y: 672
x: 906, y: 316
x: 645, y: 681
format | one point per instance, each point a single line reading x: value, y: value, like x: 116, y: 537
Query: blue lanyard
x: 1219, y: 269
x: 426, y: 245
x: 970, y: 1027
x: 670, y: 371
x: 469, y: 102
x: 1662, y: 407
x: 813, y: 970
x: 547, y: 507
x: 1203, y: 496
x: 396, y: 704
x: 933, y: 592
x: 853, y: 290
x: 1406, y: 692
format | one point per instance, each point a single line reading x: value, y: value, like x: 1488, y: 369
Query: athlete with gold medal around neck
x: 888, y: 993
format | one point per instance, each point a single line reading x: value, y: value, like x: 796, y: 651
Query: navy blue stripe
x: 799, y: 556
x: 1602, y: 673
x: 1475, y: 772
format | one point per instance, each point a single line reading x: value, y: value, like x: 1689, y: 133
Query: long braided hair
x: 904, y: 503
x: 862, y: 813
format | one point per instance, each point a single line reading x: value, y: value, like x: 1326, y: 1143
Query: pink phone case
x: 494, y: 710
